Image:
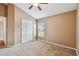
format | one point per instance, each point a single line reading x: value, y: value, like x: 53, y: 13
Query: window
x: 41, y: 29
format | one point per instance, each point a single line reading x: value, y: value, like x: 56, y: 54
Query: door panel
x: 2, y: 30
x: 27, y: 30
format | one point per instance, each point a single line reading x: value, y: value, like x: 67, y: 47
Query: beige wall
x: 19, y: 15
x: 77, y: 32
x: 2, y: 10
x: 14, y: 17
x: 61, y: 29
x: 10, y: 24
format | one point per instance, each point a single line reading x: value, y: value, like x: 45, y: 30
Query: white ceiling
x: 49, y: 9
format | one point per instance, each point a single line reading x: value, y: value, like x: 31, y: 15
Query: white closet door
x: 27, y: 30
x: 3, y: 29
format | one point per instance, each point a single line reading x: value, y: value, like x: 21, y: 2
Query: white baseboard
x: 59, y: 45
x: 22, y: 43
x: 17, y: 44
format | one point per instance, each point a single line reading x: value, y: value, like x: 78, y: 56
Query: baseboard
x: 17, y: 44
x: 59, y: 45
x: 23, y: 43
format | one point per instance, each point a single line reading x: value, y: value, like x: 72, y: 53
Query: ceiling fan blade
x: 39, y: 8
x: 43, y: 3
x: 30, y: 6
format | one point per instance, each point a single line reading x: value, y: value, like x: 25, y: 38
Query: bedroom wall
x: 2, y: 10
x: 10, y: 24
x: 19, y: 15
x: 14, y: 17
x: 61, y: 29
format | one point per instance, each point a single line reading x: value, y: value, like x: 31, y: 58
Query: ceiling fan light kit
x: 36, y: 5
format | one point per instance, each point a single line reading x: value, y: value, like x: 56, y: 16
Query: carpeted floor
x: 37, y: 48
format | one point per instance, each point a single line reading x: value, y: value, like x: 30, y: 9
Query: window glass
x: 41, y: 29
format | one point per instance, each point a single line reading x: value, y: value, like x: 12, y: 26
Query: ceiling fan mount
x: 36, y: 5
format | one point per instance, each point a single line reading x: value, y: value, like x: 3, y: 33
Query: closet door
x: 3, y: 30
x: 27, y: 30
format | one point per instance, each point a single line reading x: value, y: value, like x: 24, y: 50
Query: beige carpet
x: 37, y: 48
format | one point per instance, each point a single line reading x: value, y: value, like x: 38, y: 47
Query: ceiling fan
x: 37, y: 5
